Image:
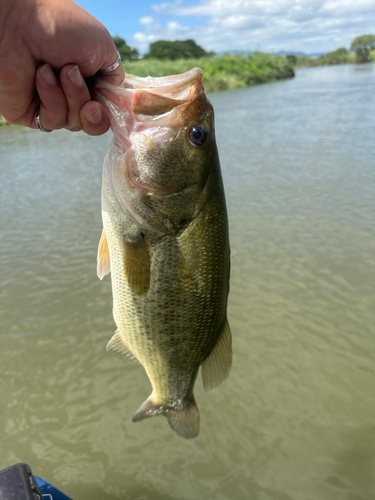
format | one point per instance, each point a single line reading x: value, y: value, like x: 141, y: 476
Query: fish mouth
x: 153, y: 106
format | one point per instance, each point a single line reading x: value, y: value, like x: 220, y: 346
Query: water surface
x: 295, y: 419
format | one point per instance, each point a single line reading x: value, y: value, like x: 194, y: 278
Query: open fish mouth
x: 153, y: 106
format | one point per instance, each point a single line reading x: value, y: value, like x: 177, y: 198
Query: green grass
x: 226, y: 72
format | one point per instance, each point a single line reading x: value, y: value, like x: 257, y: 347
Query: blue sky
x: 221, y: 25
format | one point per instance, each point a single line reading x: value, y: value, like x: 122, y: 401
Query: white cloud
x: 146, y: 21
x: 269, y: 25
x: 176, y: 28
x: 154, y: 31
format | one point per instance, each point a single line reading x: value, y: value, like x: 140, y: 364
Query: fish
x: 165, y: 240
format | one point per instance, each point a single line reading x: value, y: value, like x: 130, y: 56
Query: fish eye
x: 198, y: 134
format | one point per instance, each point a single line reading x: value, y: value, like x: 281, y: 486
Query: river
x: 295, y: 420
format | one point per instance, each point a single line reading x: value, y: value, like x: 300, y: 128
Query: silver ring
x: 112, y: 67
x: 38, y: 123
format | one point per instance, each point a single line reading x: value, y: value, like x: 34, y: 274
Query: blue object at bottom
x: 48, y: 489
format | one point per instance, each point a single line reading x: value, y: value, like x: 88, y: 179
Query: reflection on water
x: 295, y: 419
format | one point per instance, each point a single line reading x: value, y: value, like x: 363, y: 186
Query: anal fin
x: 216, y: 366
x: 118, y: 344
x: 103, y: 266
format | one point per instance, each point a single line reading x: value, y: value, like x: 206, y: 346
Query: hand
x: 47, y: 48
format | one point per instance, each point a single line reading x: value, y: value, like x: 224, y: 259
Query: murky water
x: 296, y: 418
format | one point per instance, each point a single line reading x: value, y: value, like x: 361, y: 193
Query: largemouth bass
x: 165, y: 240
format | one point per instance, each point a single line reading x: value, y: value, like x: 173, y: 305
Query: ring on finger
x: 112, y: 67
x: 38, y: 122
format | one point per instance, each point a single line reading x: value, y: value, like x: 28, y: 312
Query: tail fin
x: 184, y: 420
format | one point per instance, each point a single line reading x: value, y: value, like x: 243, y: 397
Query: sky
x: 309, y: 26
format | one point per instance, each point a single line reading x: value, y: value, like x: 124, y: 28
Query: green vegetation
x: 338, y: 56
x: 186, y: 49
x: 291, y: 59
x: 220, y: 73
x: 127, y: 53
x: 363, y: 47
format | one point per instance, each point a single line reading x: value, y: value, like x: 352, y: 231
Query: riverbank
x: 339, y: 56
x: 227, y: 72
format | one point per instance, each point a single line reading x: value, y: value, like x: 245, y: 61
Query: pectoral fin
x: 137, y: 265
x: 103, y: 266
x: 118, y: 344
x: 215, y: 368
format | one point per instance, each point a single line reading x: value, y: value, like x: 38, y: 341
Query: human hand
x: 47, y: 48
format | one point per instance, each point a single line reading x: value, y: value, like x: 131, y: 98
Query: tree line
x: 162, y: 49
x: 361, y: 48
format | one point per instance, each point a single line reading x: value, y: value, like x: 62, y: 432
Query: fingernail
x: 48, y: 75
x: 95, y: 116
x: 75, y: 76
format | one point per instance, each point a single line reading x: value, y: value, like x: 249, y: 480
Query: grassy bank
x: 226, y: 72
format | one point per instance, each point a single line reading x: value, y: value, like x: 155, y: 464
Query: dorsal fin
x: 216, y: 367
x: 118, y: 344
x: 137, y: 265
x: 103, y: 263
